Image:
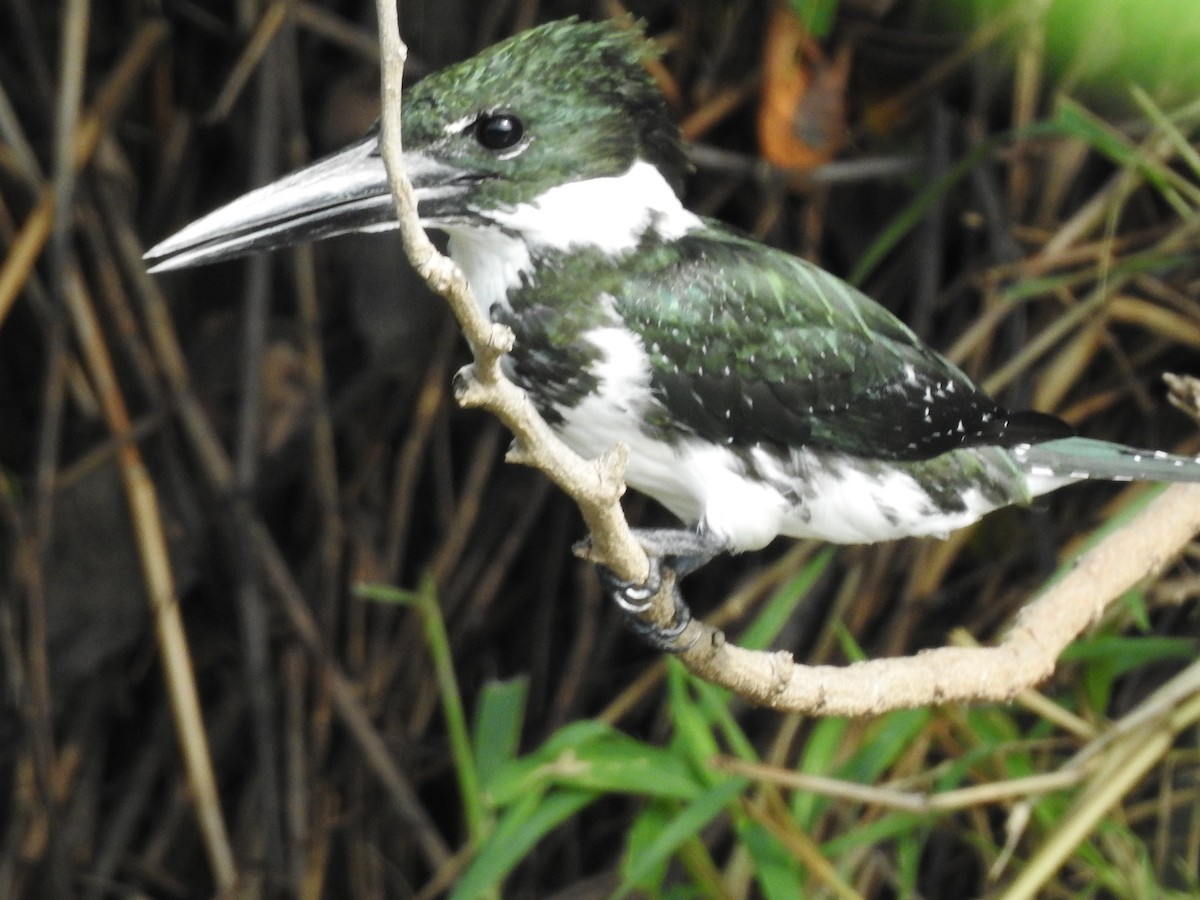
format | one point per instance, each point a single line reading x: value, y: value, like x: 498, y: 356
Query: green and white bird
x: 758, y: 394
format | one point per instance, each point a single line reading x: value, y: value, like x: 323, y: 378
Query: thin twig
x: 596, y: 485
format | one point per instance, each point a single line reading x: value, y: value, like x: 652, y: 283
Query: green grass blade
x: 499, y: 716
x: 683, y: 826
x: 775, y: 614
x: 424, y: 600
x: 517, y: 832
x: 603, y: 760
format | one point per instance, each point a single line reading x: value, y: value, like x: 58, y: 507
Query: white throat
x: 609, y: 214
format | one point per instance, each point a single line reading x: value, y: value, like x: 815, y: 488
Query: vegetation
x: 486, y: 727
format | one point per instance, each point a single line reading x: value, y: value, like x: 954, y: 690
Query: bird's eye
x: 498, y: 131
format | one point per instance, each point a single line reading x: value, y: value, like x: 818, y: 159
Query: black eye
x: 498, y: 131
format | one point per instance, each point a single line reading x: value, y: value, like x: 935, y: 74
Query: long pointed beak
x: 347, y: 191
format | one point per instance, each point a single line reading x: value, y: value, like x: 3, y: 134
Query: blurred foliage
x: 1099, y: 48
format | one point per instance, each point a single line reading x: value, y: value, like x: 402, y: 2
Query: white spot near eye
x: 459, y: 125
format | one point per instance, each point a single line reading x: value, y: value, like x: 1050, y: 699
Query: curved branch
x: 1024, y: 658
x: 596, y: 486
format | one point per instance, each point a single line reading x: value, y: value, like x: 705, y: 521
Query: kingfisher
x: 758, y: 395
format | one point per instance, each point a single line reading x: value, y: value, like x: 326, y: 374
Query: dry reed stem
x: 18, y: 264
x: 218, y: 471
x: 159, y: 583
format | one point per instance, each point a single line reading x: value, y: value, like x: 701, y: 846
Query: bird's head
x: 565, y: 103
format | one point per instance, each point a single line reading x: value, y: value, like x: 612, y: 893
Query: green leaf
x: 714, y: 703
x: 775, y: 614
x: 910, y: 847
x: 499, y: 716
x: 606, y: 761
x: 821, y: 753
x: 630, y: 767
x: 889, y: 738
x: 817, y: 15
x: 1125, y: 654
x: 679, y: 828
x: 846, y: 642
x: 649, y: 824
x: 775, y: 869
x: 693, y: 727
x: 1073, y: 119
x: 515, y: 835
x: 387, y: 593
x: 891, y: 826
x: 1109, y: 657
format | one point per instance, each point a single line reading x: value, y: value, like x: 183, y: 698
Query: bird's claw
x: 664, y: 637
x: 679, y: 552
x: 634, y: 597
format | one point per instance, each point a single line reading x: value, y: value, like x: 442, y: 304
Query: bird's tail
x: 1054, y: 463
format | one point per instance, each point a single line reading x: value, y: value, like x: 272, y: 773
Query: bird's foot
x: 669, y: 550
x: 682, y: 552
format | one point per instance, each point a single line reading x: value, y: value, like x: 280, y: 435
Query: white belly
x: 744, y: 499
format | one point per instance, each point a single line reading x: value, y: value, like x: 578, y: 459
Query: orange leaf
x: 802, y: 114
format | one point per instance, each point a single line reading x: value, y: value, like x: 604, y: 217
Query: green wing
x: 750, y: 345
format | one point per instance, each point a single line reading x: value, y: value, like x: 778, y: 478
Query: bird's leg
x: 679, y: 551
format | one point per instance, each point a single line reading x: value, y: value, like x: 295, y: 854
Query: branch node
x: 517, y: 455
x: 501, y: 338
x: 611, y: 463
x: 781, y: 670
x: 610, y: 472
x: 1184, y: 393
x: 468, y: 392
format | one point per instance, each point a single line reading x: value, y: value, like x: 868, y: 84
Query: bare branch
x: 950, y: 674
x: 596, y: 486
x: 1024, y: 658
